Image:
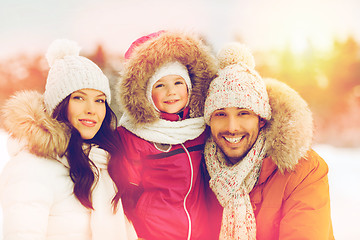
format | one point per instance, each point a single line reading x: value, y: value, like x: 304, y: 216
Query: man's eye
x: 220, y: 114
x: 244, y: 113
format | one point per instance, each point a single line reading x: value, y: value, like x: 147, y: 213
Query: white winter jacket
x: 36, y: 191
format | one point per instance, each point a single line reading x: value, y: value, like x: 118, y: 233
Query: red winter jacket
x: 171, y: 201
x: 170, y: 193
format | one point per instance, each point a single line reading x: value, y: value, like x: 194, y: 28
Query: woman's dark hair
x: 81, y: 172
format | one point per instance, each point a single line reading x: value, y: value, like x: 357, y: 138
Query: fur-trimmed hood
x: 146, y: 58
x: 26, y: 121
x: 289, y: 132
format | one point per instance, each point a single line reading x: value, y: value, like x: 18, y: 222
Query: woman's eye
x: 100, y: 100
x: 179, y: 82
x: 78, y: 97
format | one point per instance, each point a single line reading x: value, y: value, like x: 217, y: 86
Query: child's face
x: 170, y: 94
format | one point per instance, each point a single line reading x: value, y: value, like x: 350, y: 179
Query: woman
x: 56, y: 185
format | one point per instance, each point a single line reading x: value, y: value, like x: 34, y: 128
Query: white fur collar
x: 167, y: 132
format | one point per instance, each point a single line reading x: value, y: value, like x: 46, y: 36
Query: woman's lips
x: 88, y: 122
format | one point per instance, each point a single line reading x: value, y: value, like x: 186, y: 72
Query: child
x: 162, y: 92
x: 56, y: 184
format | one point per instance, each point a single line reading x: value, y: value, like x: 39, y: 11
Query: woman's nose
x: 89, y: 107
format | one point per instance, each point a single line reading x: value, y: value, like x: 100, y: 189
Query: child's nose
x: 171, y: 90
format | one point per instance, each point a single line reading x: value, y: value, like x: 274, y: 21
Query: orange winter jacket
x: 290, y: 205
x: 293, y: 205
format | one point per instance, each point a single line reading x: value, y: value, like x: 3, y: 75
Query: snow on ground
x: 344, y: 179
x: 3, y: 159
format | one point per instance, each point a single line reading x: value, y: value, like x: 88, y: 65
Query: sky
x: 30, y: 26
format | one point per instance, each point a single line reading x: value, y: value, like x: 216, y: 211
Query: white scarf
x: 167, y: 132
x: 104, y: 223
x: 232, y: 185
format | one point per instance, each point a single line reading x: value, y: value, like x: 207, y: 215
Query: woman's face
x: 86, y: 111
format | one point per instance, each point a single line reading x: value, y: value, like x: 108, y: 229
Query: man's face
x: 235, y: 131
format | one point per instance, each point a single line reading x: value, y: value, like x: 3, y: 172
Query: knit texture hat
x: 237, y: 84
x: 70, y: 72
x: 171, y: 68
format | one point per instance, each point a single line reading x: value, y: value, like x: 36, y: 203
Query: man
x: 268, y: 180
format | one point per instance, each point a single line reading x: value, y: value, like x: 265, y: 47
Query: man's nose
x: 232, y: 124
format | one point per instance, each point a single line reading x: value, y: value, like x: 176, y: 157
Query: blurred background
x: 312, y: 45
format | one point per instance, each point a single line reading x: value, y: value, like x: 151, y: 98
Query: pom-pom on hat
x: 171, y: 68
x: 70, y: 72
x: 237, y: 84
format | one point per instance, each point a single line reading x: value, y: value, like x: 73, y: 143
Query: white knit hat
x: 237, y: 84
x: 70, y: 72
x: 171, y: 68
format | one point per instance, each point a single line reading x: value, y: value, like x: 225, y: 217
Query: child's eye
x: 179, y: 82
x: 159, y: 85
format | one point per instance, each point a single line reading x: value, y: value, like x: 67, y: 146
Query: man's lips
x: 232, y: 139
x: 88, y: 122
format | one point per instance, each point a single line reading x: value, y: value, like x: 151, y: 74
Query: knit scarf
x: 232, y: 185
x: 164, y: 131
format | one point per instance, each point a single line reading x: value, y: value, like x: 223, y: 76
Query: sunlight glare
x: 299, y: 42
x: 306, y: 35
x: 321, y: 80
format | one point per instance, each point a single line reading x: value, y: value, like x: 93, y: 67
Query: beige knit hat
x: 237, y: 84
x: 70, y: 72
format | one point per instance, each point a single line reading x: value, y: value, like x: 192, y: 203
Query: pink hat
x: 170, y: 68
x: 140, y: 41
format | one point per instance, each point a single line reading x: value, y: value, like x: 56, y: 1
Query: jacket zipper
x: 187, y: 194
